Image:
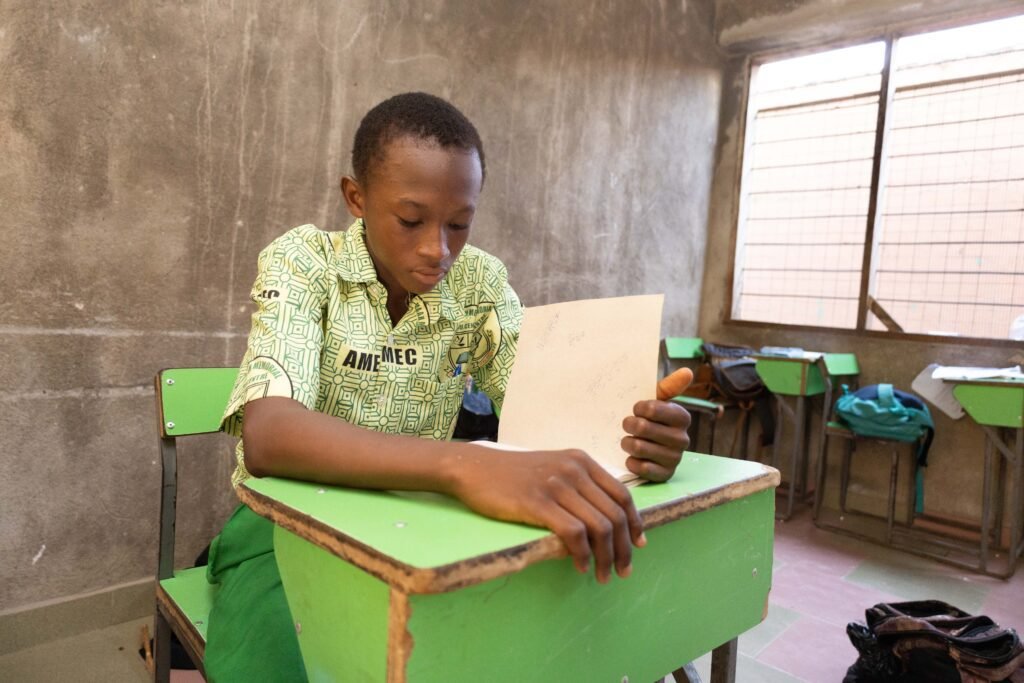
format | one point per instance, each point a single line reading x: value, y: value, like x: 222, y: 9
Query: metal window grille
x: 946, y: 247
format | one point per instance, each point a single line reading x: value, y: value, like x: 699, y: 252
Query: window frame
x: 886, y: 92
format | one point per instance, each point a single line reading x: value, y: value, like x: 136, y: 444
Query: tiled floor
x: 821, y: 582
x: 108, y: 655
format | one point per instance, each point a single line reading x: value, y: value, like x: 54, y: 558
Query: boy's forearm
x: 282, y: 438
x: 562, y: 490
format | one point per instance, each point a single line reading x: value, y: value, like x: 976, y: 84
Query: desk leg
x: 997, y: 513
x: 1017, y: 501
x: 694, y: 431
x: 163, y: 649
x: 780, y: 421
x: 723, y: 666
x: 686, y: 674
x: 986, y: 502
x: 1013, y: 454
x: 795, y: 469
x: 802, y: 424
x: 723, y: 663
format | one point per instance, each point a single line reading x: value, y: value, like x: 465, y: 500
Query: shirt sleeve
x: 286, y: 339
x: 502, y: 326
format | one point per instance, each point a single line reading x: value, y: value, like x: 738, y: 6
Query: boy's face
x: 418, y: 204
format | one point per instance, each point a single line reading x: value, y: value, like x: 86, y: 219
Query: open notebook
x: 580, y: 367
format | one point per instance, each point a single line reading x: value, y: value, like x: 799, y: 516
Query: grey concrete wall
x: 953, y: 480
x: 151, y: 149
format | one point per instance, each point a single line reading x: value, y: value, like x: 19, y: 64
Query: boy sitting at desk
x: 379, y: 326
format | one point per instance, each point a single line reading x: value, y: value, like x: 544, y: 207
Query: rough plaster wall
x: 151, y: 149
x: 745, y: 26
x: 953, y: 479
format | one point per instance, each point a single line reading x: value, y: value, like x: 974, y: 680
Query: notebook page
x: 580, y: 366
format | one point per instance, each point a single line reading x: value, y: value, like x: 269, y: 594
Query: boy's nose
x: 434, y: 244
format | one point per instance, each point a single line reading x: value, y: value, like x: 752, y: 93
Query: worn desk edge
x: 470, y: 571
x: 1007, y: 382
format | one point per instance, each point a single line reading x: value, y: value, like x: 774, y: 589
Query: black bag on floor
x: 929, y: 641
x: 735, y: 380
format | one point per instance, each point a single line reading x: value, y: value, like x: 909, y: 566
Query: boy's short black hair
x: 418, y: 115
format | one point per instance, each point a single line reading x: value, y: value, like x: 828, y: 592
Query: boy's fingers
x: 621, y: 538
x: 648, y: 469
x: 573, y: 534
x: 663, y: 412
x: 599, y: 528
x: 670, y: 437
x: 667, y: 456
x: 617, y: 491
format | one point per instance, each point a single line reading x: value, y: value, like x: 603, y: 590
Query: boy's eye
x: 458, y: 226
x: 408, y: 224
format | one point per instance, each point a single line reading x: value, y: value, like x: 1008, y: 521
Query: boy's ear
x: 354, y: 196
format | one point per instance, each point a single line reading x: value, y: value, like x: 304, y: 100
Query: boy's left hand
x: 657, y: 439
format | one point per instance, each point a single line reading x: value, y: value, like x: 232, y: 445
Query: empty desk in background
x: 796, y: 376
x: 997, y: 407
x: 389, y: 586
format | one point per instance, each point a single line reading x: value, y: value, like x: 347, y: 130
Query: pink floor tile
x: 823, y: 595
x: 811, y: 650
x: 799, y: 541
x: 814, y: 551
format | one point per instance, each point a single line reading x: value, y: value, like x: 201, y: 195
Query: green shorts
x: 250, y: 635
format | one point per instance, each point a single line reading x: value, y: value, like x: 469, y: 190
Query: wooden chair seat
x: 834, y: 428
x: 700, y: 405
x: 185, y: 601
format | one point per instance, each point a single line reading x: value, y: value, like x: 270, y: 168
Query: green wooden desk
x: 389, y: 586
x: 798, y: 377
x: 997, y: 407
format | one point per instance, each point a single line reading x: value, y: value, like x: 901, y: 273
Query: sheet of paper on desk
x: 580, y: 366
x: 953, y: 372
x: 938, y: 392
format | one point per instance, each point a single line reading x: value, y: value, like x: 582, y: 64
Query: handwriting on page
x: 580, y: 366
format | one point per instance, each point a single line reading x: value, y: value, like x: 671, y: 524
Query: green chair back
x: 684, y: 348
x: 188, y: 401
x: 192, y: 400
x: 841, y: 364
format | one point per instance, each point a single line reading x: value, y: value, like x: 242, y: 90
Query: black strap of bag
x: 733, y: 370
x: 735, y: 376
x: 934, y: 641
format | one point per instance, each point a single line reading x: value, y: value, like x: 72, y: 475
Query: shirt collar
x: 353, y: 264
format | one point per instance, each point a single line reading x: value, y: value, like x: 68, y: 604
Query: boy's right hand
x: 565, y: 491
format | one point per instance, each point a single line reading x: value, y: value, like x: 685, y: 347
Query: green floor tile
x: 747, y: 671
x: 911, y: 579
x: 758, y: 638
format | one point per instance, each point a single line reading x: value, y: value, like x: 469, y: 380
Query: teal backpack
x: 883, y: 412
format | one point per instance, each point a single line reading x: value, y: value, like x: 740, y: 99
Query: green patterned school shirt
x: 322, y: 335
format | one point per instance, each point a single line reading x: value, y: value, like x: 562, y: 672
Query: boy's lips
x: 430, y: 276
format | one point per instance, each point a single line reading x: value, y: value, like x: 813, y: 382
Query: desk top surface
x: 807, y: 357
x: 424, y: 542
x: 1010, y: 382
